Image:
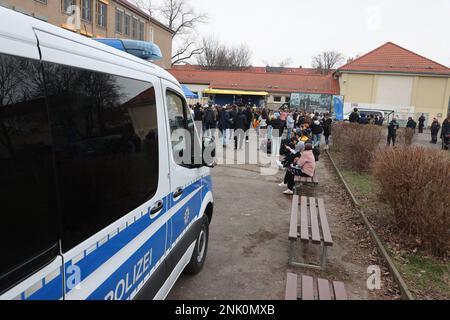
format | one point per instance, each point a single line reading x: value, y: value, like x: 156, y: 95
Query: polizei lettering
x: 124, y: 285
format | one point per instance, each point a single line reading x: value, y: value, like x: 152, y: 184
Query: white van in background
x: 94, y: 204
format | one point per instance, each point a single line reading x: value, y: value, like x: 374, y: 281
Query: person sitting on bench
x: 292, y: 154
x: 304, y: 166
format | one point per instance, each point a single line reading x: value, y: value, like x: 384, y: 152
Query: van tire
x: 201, y: 248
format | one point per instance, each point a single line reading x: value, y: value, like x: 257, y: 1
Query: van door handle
x: 178, y: 193
x: 156, y: 209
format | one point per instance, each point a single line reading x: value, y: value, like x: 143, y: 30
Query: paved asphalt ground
x: 248, y: 245
x: 248, y: 248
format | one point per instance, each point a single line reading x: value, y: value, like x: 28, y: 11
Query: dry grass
x: 357, y: 143
x: 415, y: 182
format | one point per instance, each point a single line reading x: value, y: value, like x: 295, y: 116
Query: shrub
x: 415, y: 182
x: 357, y: 143
x: 405, y: 136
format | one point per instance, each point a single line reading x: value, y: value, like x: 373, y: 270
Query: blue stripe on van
x: 132, y: 272
x: 157, y: 244
x: 49, y: 291
x: 103, y: 253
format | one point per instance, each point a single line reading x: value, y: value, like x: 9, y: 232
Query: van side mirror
x: 209, y: 152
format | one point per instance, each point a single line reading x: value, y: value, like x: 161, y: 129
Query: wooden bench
x: 313, y: 228
x: 311, y: 181
x: 314, y: 289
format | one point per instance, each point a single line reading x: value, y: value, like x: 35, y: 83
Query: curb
x: 406, y: 294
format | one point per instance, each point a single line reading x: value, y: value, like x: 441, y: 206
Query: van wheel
x: 201, y: 247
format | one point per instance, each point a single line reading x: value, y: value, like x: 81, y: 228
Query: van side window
x: 106, y: 147
x: 28, y: 213
x: 182, y: 129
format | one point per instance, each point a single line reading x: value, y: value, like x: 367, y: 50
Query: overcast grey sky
x: 297, y: 29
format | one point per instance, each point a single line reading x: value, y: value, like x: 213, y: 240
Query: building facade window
x: 141, y: 30
x: 86, y: 10
x: 65, y: 5
x: 101, y: 14
x: 127, y: 24
x: 277, y: 99
x: 151, y: 34
x: 41, y: 1
x: 134, y: 27
x: 119, y: 21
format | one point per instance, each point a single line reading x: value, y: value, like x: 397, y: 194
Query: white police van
x: 93, y: 204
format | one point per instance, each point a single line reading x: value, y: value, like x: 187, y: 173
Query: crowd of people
x: 289, y: 133
x: 393, y: 126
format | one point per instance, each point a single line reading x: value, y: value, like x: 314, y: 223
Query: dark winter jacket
x: 316, y: 128
x: 392, y: 128
x: 326, y: 124
x: 240, y: 121
x: 209, y: 116
x: 435, y: 127
x: 411, y: 124
x: 277, y: 124
x: 445, y: 128
x: 354, y: 117
x: 224, y: 120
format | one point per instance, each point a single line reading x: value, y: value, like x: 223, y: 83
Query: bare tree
x: 180, y: 17
x: 217, y: 56
x: 326, y: 61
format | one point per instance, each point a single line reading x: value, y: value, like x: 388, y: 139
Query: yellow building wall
x: 429, y: 94
x: 357, y: 88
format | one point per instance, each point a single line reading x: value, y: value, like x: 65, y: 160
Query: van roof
x: 21, y: 28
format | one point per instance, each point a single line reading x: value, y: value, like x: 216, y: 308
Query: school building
x: 394, y: 78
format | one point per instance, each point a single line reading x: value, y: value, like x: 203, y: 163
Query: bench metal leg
x: 323, y: 259
x: 293, y: 263
x: 291, y: 251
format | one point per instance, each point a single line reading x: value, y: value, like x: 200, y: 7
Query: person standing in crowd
x: 411, y: 124
x: 435, y: 127
x: 233, y: 115
x: 392, y: 132
x: 240, y: 123
x: 354, y: 116
x: 316, y: 130
x: 290, y: 123
x: 263, y: 119
x: 326, y: 124
x: 277, y: 126
x: 209, y: 120
x: 305, y: 166
x: 422, y: 123
x: 363, y: 119
x: 445, y: 133
x: 248, y: 123
x: 224, y: 125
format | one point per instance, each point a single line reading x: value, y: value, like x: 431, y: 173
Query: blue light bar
x: 141, y: 49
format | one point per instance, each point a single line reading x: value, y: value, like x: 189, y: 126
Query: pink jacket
x: 307, y: 163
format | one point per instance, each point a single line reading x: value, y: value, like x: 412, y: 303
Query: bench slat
x: 339, y: 291
x: 291, y: 287
x: 293, y: 231
x: 304, y: 230
x: 324, y: 289
x: 324, y: 223
x: 315, y: 234
x: 307, y: 288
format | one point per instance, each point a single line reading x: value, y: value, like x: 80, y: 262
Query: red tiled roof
x: 393, y: 58
x: 255, y: 79
x: 285, y: 70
